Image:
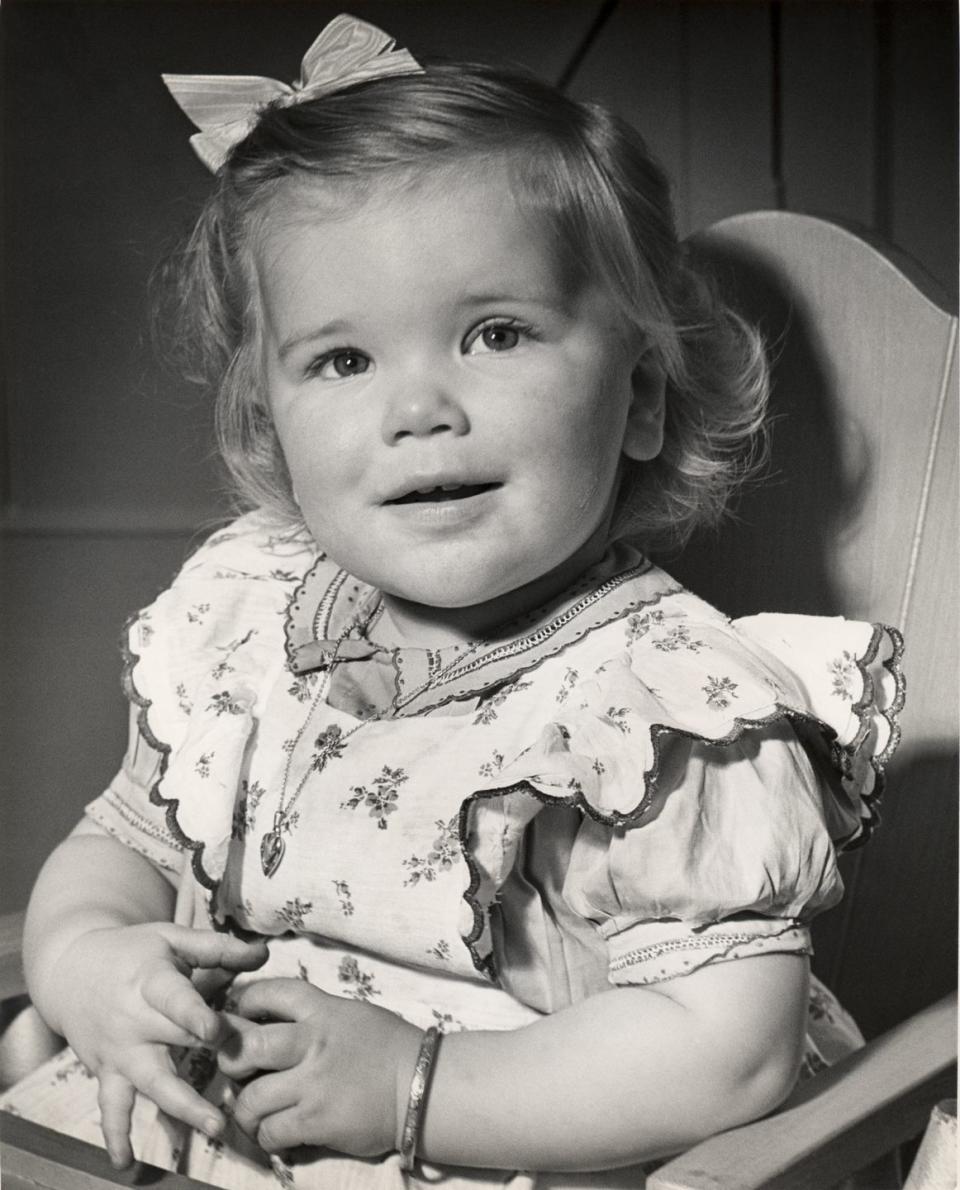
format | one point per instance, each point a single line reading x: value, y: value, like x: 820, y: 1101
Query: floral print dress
x: 619, y: 789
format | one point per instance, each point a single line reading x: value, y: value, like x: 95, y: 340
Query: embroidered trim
x: 542, y: 635
x: 458, y: 685
x: 643, y: 954
x: 529, y: 643
x: 142, y: 825
x: 325, y: 609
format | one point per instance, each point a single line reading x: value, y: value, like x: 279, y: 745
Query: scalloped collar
x: 330, y: 614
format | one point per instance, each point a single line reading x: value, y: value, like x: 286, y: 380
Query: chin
x: 446, y: 596
x: 454, y: 587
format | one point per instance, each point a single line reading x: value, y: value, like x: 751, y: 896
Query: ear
x: 643, y: 434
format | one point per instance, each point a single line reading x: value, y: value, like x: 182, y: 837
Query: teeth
x: 442, y: 491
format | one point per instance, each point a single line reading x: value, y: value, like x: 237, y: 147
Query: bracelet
x: 419, y: 1085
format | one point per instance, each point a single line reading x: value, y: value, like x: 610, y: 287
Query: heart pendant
x: 271, y: 852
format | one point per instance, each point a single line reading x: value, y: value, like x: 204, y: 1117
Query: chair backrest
x: 858, y: 516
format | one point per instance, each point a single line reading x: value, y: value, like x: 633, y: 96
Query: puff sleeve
x: 734, y: 858
x: 125, y: 809
x: 718, y: 768
x: 197, y: 662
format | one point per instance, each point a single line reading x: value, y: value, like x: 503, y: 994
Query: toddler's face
x: 452, y: 409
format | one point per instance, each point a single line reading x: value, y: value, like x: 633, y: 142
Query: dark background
x: 846, y: 110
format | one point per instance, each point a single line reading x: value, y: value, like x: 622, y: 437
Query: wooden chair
x: 859, y: 517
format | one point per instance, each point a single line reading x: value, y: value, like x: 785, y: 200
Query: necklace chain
x: 272, y: 846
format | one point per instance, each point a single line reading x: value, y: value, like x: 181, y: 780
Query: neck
x: 407, y: 623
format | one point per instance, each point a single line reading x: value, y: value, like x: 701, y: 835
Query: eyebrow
x: 289, y: 345
x: 550, y: 302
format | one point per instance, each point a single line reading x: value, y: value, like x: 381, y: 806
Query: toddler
x: 454, y: 840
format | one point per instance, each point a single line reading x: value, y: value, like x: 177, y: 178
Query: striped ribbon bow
x: 225, y: 107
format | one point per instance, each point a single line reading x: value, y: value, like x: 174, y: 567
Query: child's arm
x: 630, y: 1074
x: 634, y: 1073
x: 108, y: 970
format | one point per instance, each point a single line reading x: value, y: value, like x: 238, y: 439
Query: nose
x: 421, y: 409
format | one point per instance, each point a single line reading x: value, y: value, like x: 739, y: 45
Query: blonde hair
x: 575, y: 164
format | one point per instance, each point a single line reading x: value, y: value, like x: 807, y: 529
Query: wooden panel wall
x: 843, y: 109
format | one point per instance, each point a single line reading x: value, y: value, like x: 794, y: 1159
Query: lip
x: 418, y: 490
x: 444, y: 514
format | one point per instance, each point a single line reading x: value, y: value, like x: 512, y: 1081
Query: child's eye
x: 340, y: 364
x: 494, y: 336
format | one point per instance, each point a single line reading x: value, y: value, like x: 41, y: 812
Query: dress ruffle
x: 711, y: 682
x: 854, y: 701
x: 658, y: 680
x: 643, y: 783
x: 196, y: 684
x: 851, y: 691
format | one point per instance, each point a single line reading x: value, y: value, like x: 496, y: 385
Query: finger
x: 283, y: 999
x: 151, y: 1071
x: 208, y: 948
x: 156, y: 1029
x: 234, y: 1027
x: 263, y: 1097
x: 116, y: 1096
x: 175, y: 998
x: 210, y: 981
x: 260, y: 1047
x: 239, y: 1024
x: 284, y: 1130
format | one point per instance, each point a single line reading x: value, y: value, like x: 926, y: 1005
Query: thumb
x: 280, y: 999
x: 209, y: 948
x: 239, y: 1024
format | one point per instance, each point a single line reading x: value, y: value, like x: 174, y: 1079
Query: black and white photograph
x: 479, y: 594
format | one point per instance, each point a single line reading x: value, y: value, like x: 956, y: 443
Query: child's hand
x: 339, y: 1069
x: 128, y: 997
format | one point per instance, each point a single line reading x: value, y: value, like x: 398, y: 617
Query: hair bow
x: 225, y: 107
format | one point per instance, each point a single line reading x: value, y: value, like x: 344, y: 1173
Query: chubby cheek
x: 582, y: 455
x: 321, y: 464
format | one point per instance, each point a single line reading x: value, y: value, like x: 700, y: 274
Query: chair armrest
x: 12, y: 981
x: 33, y: 1156
x: 836, y: 1122
x: 25, y: 1039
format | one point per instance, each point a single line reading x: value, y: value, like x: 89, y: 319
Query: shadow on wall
x: 889, y: 948
x: 774, y: 552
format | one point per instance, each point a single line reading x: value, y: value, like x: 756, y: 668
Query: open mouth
x: 444, y: 492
